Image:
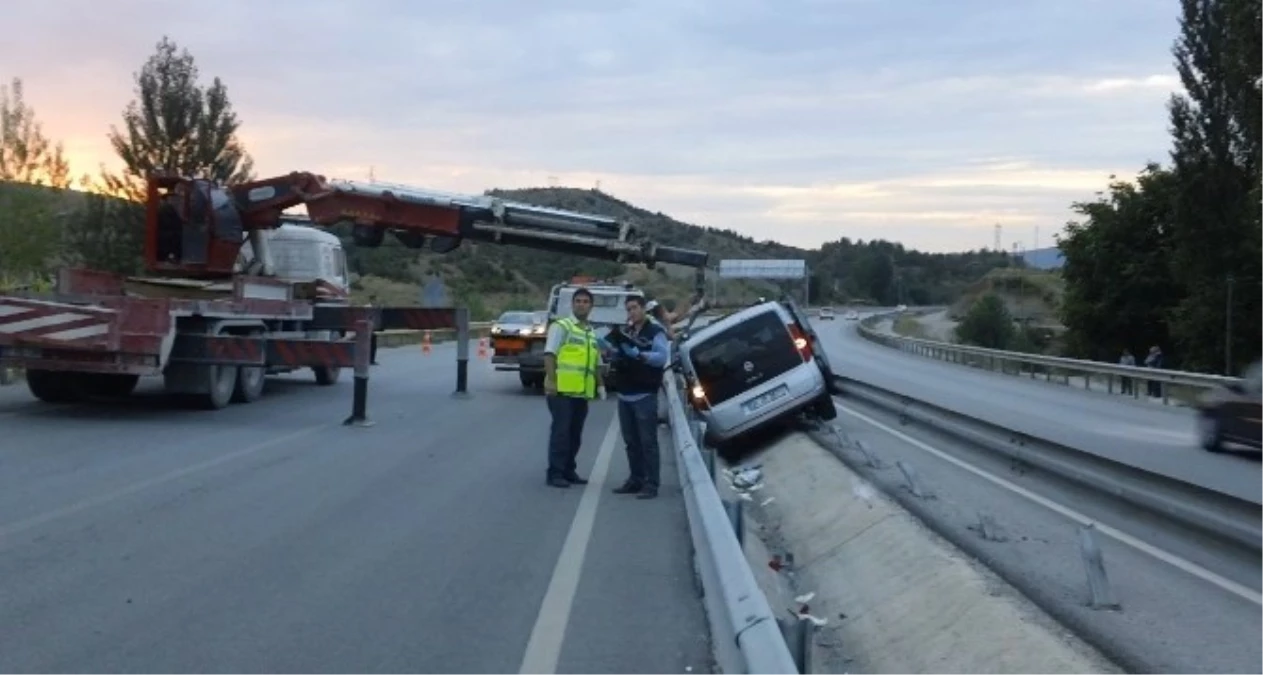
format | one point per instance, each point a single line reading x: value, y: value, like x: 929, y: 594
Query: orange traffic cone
x: 482, y: 348
x: 425, y: 342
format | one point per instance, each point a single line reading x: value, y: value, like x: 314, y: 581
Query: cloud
x: 925, y: 122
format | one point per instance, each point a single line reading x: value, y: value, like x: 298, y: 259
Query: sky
x: 926, y: 122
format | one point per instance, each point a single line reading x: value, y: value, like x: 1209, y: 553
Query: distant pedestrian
x: 572, y: 377
x: 1154, y: 360
x: 1127, y: 359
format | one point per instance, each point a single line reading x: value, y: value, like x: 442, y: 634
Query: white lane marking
x: 1118, y: 535
x: 544, y: 647
x: 77, y: 507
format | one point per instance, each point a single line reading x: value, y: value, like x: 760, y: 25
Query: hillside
x: 1029, y: 295
x: 1044, y: 258
x: 490, y: 278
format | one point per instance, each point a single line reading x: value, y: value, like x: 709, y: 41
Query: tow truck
x: 213, y: 322
x: 525, y: 352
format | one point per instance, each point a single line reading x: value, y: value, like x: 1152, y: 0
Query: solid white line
x: 71, y: 509
x: 1142, y: 546
x: 544, y: 647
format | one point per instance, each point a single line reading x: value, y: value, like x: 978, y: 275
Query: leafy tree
x: 987, y: 324
x: 26, y: 154
x: 173, y: 125
x: 1216, y: 156
x: 29, y: 238
x: 1117, y: 268
x: 176, y: 125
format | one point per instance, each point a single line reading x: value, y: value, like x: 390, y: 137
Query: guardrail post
x: 462, y: 352
x: 359, y: 396
x: 1100, y: 595
x: 797, y: 633
x: 736, y: 514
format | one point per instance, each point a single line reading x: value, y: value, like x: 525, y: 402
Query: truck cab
x: 304, y: 255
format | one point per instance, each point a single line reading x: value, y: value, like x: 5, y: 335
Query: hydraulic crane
x: 195, y: 228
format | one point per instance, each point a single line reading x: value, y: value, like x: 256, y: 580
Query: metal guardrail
x: 1107, y: 377
x: 1222, y: 515
x: 744, y: 630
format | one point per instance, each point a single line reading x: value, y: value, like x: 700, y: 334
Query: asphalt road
x: 1160, y: 439
x: 140, y: 537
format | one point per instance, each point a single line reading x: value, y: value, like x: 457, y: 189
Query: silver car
x: 756, y: 367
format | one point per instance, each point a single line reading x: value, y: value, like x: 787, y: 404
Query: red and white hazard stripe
x: 36, y: 321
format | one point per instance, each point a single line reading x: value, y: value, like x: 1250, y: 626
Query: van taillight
x: 801, y: 343
x: 697, y: 396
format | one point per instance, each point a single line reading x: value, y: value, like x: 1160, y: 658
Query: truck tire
x: 52, y: 386
x: 250, y: 381
x: 249, y: 386
x: 326, y: 375
x: 112, y: 385
x: 221, y: 382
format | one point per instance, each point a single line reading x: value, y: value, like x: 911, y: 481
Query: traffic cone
x: 425, y: 343
x: 482, y: 348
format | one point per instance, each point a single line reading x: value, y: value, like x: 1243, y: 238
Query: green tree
x: 987, y: 324
x: 1215, y: 224
x: 176, y: 125
x: 29, y: 235
x: 1118, y: 285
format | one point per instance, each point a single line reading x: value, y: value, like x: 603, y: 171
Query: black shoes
x: 558, y: 483
x: 628, y: 488
x: 633, y: 488
x: 576, y: 480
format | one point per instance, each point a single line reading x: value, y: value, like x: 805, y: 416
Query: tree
x: 1216, y: 229
x: 176, y: 125
x: 173, y: 125
x: 987, y: 324
x: 26, y: 154
x: 1118, y: 285
x: 29, y: 239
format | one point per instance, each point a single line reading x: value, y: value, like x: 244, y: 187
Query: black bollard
x: 363, y: 349
x: 462, y: 352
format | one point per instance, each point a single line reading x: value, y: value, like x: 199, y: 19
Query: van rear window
x: 744, y: 356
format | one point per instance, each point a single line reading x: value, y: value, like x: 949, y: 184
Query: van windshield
x: 744, y: 356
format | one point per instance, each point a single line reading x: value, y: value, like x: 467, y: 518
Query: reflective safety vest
x: 578, y: 358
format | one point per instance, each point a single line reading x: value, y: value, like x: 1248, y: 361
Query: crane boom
x: 195, y: 228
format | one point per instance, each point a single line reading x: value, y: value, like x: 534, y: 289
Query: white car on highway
x: 852, y: 316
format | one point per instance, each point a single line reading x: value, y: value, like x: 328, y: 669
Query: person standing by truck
x: 641, y: 353
x: 572, y: 377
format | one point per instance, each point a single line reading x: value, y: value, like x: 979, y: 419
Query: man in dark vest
x: 640, y: 351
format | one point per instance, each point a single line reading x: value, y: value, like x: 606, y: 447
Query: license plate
x: 766, y: 398
x: 510, y: 345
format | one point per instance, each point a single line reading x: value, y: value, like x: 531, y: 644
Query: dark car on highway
x: 1232, y: 413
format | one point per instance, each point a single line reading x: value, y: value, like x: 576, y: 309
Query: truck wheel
x: 527, y: 380
x: 249, y: 387
x: 326, y: 375
x: 52, y: 386
x: 221, y: 381
x: 113, y: 385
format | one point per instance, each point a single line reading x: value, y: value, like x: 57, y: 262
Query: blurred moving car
x: 826, y: 313
x: 517, y: 344
x: 1232, y: 413
x: 756, y: 367
x: 852, y: 316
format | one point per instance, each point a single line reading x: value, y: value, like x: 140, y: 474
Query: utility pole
x: 1228, y: 328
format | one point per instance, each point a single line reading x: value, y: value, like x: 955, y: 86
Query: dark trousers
x: 372, y: 349
x: 569, y: 413
x: 638, y: 421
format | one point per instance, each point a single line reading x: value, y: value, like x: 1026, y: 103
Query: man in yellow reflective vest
x: 572, y: 377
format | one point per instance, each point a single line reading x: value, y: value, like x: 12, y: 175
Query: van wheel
x: 825, y: 408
